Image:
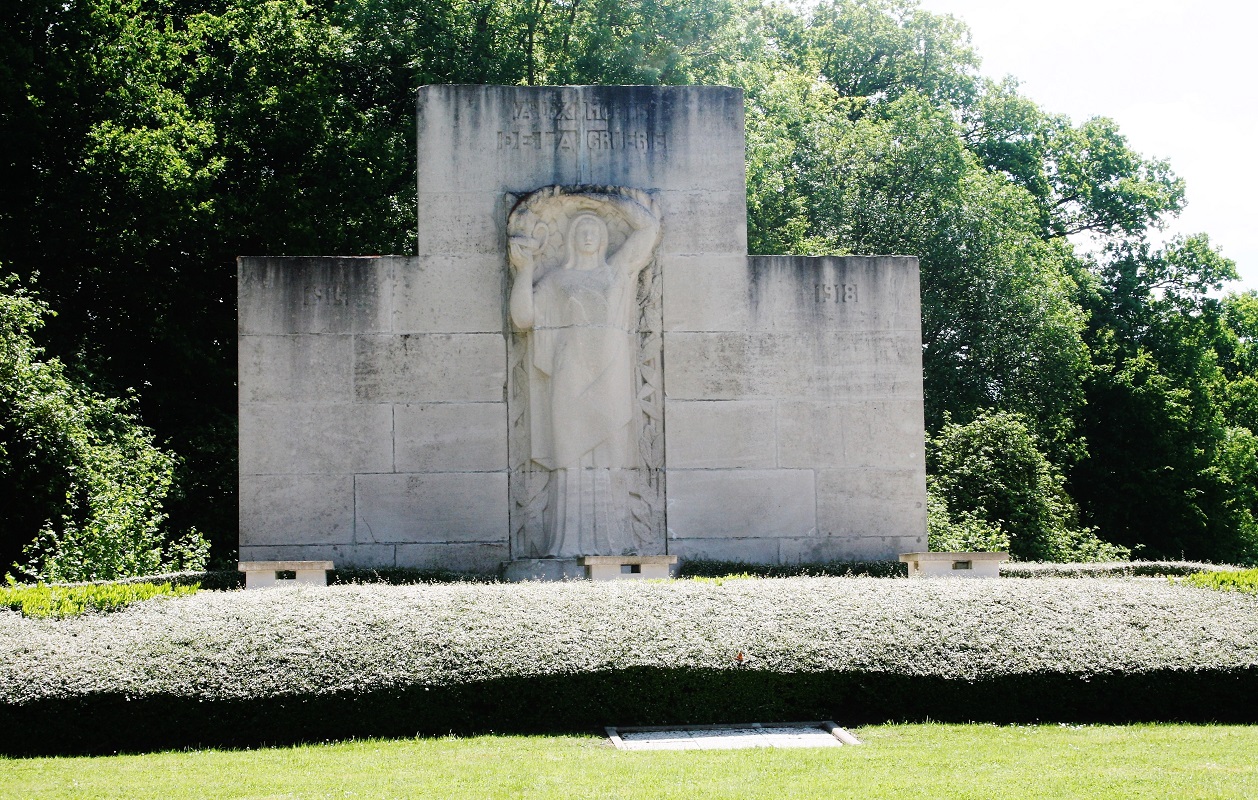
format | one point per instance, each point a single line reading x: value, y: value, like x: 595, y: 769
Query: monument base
x: 543, y: 569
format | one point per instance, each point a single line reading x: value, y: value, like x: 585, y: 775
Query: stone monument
x: 580, y: 361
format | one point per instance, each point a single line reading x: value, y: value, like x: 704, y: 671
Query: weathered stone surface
x: 295, y: 510
x: 879, y: 434
x: 820, y: 364
x: 296, y: 369
x: 861, y: 503
x: 450, y: 437
x: 741, y: 503
x: 436, y: 367
x: 314, y: 295
x: 449, y: 294
x: 478, y: 557
x: 805, y: 550
x: 366, y: 556
x: 721, y: 434
x: 431, y: 508
x: 472, y: 138
x: 316, y: 439
x: 750, y: 550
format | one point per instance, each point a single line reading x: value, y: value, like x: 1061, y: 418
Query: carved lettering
x: 836, y: 292
x: 571, y: 139
x: 334, y: 295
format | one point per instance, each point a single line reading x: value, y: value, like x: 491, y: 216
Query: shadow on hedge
x: 640, y: 696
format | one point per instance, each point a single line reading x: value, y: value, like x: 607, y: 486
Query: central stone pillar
x: 595, y: 193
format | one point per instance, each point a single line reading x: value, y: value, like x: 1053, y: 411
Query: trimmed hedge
x: 303, y: 663
x: 1111, y: 569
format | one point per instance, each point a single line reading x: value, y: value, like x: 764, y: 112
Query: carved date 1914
x: 836, y: 293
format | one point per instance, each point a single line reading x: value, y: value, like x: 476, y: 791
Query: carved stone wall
x: 388, y: 404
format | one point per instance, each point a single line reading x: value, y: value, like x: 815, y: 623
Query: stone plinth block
x: 954, y: 565
x: 261, y: 574
x: 620, y: 568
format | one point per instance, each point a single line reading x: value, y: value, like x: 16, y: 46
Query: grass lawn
x: 945, y: 761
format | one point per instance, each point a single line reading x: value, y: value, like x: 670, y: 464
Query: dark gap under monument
x: 581, y: 360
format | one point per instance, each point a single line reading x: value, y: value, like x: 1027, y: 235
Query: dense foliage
x: 149, y: 142
x: 310, y: 663
x: 81, y: 482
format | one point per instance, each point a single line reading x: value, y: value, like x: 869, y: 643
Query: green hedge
x: 65, y: 601
x: 1232, y: 581
x: 306, y: 663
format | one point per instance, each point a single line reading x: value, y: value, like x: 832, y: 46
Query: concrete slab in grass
x: 824, y: 733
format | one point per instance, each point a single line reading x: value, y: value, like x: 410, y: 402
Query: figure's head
x: 587, y: 239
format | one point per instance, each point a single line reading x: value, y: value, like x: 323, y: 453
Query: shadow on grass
x: 109, y: 723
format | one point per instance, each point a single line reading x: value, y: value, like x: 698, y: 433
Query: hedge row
x: 303, y: 663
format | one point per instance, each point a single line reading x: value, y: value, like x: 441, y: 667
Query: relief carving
x: 585, y: 395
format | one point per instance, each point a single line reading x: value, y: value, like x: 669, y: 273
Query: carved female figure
x: 581, y: 319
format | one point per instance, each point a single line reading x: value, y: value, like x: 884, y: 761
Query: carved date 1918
x: 836, y: 293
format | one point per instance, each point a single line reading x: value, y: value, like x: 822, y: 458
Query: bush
x: 81, y: 481
x: 305, y: 663
x: 991, y: 483
x: 65, y: 601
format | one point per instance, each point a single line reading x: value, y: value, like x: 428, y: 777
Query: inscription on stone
x: 332, y: 295
x: 569, y: 125
x: 836, y: 292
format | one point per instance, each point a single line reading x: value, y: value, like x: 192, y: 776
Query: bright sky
x: 1180, y: 78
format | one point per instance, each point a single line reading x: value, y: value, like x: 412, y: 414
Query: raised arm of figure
x: 643, y: 216
x: 522, y: 255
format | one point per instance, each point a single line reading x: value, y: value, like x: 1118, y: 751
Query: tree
x: 1166, y: 470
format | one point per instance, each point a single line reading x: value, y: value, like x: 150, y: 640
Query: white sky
x: 1180, y: 78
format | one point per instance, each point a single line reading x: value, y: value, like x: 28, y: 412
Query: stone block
x: 879, y: 434
x: 463, y: 224
x: 411, y: 368
x: 344, y: 556
x: 521, y: 138
x: 301, y: 368
x: 707, y: 292
x: 450, y: 437
x: 748, y: 550
x: 741, y: 503
x: 483, y: 558
x: 853, y: 365
x: 821, y: 549
x: 704, y: 222
x: 295, y: 510
x: 853, y: 503
x: 319, y: 439
x: 430, y: 508
x: 852, y: 293
x: 720, y: 434
x: 450, y: 294
x: 314, y: 295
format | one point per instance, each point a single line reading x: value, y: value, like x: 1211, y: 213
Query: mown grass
x: 919, y: 761
x: 1236, y: 581
x: 68, y: 601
